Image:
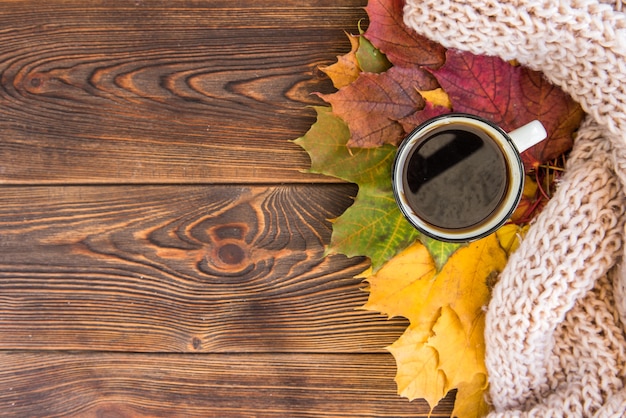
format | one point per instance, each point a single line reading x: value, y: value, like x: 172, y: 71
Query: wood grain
x: 161, y: 250
x: 163, y: 92
x: 258, y: 385
x: 181, y: 269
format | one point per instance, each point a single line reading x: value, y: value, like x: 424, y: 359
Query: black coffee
x: 456, y: 178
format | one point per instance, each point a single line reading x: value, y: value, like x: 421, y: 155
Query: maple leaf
x: 396, y: 289
x: 370, y: 58
x: 402, y: 45
x: 373, y: 226
x: 374, y: 103
x: 437, y: 97
x: 470, y: 398
x: 558, y: 112
x: 346, y: 69
x: 363, y: 57
x: 510, y: 236
x: 510, y: 96
x: 429, y: 111
x: 445, y: 311
x: 461, y: 355
x: 418, y: 367
x: 439, y: 251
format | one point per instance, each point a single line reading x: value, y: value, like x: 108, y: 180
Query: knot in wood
x: 196, y: 343
x: 33, y: 83
x: 228, y: 256
x: 231, y: 253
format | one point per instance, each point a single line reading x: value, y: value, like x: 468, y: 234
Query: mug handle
x: 528, y: 135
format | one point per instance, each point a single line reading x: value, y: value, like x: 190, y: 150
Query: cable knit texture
x: 555, y: 325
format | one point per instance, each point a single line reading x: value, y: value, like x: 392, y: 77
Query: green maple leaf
x: 370, y: 59
x: 373, y: 226
x: 439, y: 251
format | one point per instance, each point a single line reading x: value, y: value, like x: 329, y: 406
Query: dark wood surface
x: 161, y: 251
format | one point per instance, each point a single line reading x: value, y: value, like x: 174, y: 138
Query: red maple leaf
x: 401, y: 44
x: 511, y: 96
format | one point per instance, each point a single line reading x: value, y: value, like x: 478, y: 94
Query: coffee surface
x: 456, y: 178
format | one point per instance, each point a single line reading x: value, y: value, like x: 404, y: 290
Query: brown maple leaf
x: 373, y: 105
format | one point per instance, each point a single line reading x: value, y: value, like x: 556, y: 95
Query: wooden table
x: 161, y: 252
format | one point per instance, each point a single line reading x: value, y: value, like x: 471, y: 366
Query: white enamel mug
x: 459, y: 177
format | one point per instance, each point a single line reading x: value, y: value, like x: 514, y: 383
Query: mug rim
x: 503, y: 211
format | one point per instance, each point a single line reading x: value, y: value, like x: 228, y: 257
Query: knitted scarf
x: 555, y: 335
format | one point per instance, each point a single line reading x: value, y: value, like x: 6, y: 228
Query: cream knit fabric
x: 555, y: 326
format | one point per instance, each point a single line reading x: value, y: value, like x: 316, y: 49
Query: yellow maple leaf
x: 470, y: 399
x: 510, y: 236
x: 443, y: 348
x: 346, y: 69
x: 438, y: 97
x: 397, y: 288
x: 418, y: 367
x: 462, y: 355
x: 462, y: 282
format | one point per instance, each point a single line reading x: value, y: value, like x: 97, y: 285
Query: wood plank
x: 120, y: 384
x: 164, y: 91
x: 181, y: 269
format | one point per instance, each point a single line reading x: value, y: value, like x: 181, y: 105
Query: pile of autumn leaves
x: 390, y: 82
